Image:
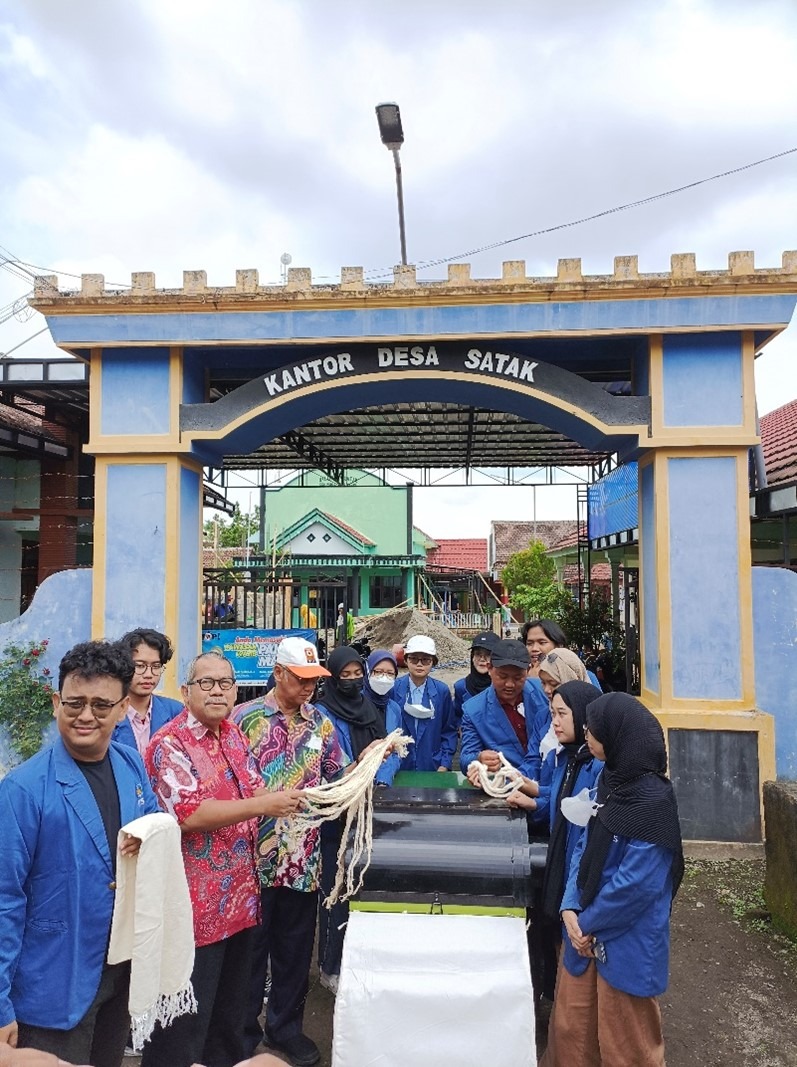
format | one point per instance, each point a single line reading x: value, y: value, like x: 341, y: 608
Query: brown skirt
x: 595, y: 1025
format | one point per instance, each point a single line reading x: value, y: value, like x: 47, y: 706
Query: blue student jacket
x: 387, y: 772
x: 57, y: 885
x: 435, y: 738
x: 630, y: 915
x: 164, y: 709
x: 552, y: 775
x: 485, y: 725
x: 541, y: 721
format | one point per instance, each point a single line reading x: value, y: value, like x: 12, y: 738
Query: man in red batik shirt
x: 202, y: 773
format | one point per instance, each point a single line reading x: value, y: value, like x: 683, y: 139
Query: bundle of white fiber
x: 351, y: 795
x: 498, y: 783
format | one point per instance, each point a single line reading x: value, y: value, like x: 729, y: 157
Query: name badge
x: 314, y: 744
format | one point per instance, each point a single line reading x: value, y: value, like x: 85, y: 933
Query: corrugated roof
x: 779, y: 438
x: 511, y: 537
x: 465, y: 553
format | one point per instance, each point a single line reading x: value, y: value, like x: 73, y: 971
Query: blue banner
x: 252, y: 652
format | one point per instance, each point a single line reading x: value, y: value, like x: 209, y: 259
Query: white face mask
x: 549, y: 742
x: 580, y: 808
x: 418, y: 711
x: 380, y: 684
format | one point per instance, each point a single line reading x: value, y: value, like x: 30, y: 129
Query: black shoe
x: 300, y: 1050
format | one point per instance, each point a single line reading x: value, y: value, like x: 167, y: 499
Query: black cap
x: 487, y: 640
x: 510, y: 654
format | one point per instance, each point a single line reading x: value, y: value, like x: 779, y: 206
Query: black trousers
x: 284, y: 939
x: 331, y: 921
x: 215, y: 1035
x: 100, y: 1036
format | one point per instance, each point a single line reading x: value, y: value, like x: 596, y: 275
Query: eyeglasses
x: 206, y: 684
x: 384, y: 674
x: 100, y: 709
x: 141, y: 668
x: 420, y: 660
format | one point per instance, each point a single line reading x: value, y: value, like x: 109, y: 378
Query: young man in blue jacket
x: 61, y: 812
x: 500, y: 718
x: 147, y: 710
x: 427, y: 710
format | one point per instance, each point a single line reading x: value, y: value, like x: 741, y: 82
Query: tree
x: 220, y: 533
x: 529, y: 578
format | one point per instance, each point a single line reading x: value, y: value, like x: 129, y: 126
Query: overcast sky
x: 167, y: 135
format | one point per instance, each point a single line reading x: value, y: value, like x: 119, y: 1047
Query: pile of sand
x: 397, y: 625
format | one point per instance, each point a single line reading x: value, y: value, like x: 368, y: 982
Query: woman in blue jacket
x: 616, y: 907
x: 358, y: 721
x: 427, y: 711
x: 566, y: 770
x: 478, y: 679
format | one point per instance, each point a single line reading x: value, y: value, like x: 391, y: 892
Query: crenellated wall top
x: 569, y: 283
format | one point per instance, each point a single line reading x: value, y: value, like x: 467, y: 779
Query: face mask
x: 549, y: 743
x: 580, y: 808
x: 350, y: 687
x: 418, y: 711
x: 380, y: 684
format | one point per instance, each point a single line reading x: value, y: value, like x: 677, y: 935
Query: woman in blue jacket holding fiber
x: 616, y: 907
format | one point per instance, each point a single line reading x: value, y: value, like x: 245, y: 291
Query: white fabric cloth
x: 153, y: 925
x: 434, y: 991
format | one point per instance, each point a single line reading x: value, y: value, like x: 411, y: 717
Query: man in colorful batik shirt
x: 295, y: 747
x: 203, y: 774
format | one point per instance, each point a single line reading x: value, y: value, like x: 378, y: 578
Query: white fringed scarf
x: 153, y: 926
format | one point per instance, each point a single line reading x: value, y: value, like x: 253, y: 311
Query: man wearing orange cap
x: 295, y: 747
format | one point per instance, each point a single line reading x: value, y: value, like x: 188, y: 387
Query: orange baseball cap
x: 300, y: 657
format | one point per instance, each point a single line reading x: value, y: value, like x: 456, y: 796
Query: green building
x: 352, y: 543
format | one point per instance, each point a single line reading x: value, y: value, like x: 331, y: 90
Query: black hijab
x: 475, y: 682
x: 363, y: 718
x: 577, y: 695
x: 637, y: 798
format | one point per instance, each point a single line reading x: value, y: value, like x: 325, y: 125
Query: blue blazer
x: 541, y: 721
x: 552, y: 775
x: 164, y: 709
x: 57, y: 885
x: 435, y: 738
x: 630, y: 915
x: 387, y: 772
x: 485, y: 725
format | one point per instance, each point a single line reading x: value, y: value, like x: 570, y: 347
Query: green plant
x: 529, y: 578
x: 26, y: 701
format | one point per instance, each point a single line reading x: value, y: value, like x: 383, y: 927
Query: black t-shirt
x: 102, y: 783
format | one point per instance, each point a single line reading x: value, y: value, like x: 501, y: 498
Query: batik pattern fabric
x: 187, y: 765
x: 291, y: 752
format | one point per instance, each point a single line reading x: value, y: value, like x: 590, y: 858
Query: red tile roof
x: 779, y: 438
x: 348, y: 529
x: 601, y: 574
x: 464, y: 553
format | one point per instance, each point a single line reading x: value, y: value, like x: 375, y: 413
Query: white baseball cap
x: 300, y: 657
x: 421, y: 643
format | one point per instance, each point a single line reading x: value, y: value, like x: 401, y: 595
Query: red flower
x: 45, y: 643
x: 46, y: 670
x: 48, y: 689
x: 26, y: 662
x: 36, y: 652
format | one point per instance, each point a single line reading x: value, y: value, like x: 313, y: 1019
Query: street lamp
x: 389, y: 118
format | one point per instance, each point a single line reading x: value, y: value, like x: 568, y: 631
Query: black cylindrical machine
x: 450, y: 846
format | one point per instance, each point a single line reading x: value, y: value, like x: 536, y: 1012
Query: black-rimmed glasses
x: 206, y: 684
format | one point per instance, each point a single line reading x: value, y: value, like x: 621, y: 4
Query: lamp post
x: 389, y: 118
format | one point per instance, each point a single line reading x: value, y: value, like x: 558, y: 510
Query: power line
x: 599, y: 214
